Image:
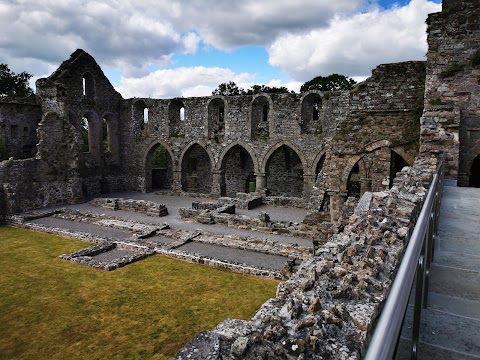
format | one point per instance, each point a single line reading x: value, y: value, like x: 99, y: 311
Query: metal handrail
x: 416, y: 262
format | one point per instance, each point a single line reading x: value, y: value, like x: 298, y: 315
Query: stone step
x: 466, y: 261
x: 454, y: 305
x: 450, y: 332
x: 454, y: 282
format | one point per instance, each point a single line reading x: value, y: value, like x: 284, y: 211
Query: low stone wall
x: 236, y: 267
x: 143, y: 206
x: 318, y: 231
x: 327, y: 308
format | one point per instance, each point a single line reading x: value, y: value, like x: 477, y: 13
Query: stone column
x: 308, y: 183
x: 337, y: 199
x: 217, y: 177
x: 261, y: 180
x: 177, y: 180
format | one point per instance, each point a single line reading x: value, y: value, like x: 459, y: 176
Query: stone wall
x: 19, y: 119
x: 328, y: 307
x: 451, y: 121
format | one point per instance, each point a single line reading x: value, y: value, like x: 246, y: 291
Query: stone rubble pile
x: 327, y: 308
x: 142, y: 206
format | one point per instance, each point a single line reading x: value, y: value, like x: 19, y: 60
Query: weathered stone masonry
x: 356, y: 142
x: 290, y: 145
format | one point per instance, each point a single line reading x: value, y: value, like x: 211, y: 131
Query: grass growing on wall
x: 54, y: 309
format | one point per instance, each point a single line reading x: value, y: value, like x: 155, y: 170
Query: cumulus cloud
x: 180, y: 82
x: 354, y: 45
x: 304, y: 38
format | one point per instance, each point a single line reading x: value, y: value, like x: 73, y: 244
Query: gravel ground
x: 76, y: 226
x: 173, y: 203
x: 252, y: 258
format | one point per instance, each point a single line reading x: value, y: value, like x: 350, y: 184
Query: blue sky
x: 170, y: 48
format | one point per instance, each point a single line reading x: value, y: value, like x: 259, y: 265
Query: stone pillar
x: 261, y: 180
x: 217, y: 177
x: 308, y: 183
x: 177, y: 180
x: 337, y: 199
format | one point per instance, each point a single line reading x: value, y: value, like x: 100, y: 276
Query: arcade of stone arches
x: 282, y: 172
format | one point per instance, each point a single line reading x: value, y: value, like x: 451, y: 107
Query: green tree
x: 256, y: 89
x: 14, y: 85
x: 328, y: 83
x: 159, y: 158
x: 228, y: 89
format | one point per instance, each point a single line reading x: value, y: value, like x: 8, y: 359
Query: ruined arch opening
x: 196, y: 171
x: 375, y: 171
x: 284, y: 173
x: 158, y: 169
x: 216, y: 119
x: 319, y: 168
x: 310, y: 119
x: 88, y: 84
x: 140, y: 113
x: 354, y: 187
x: 105, y: 136
x: 474, y: 178
x: 238, y: 172
x: 397, y: 163
x: 260, y: 123
x: 85, y: 129
x: 176, y: 117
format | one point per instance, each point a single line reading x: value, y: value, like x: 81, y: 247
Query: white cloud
x: 185, y: 81
x: 354, y: 45
x: 190, y: 42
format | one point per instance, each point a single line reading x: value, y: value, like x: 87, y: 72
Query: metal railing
x: 415, y: 264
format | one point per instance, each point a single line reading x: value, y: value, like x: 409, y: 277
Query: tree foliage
x: 232, y: 89
x: 328, y: 83
x: 257, y: 89
x: 228, y: 89
x: 14, y: 85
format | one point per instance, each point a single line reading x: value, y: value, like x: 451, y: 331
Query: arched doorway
x: 284, y: 172
x: 239, y: 172
x: 196, y: 171
x: 396, y: 165
x: 474, y: 179
x: 158, y: 169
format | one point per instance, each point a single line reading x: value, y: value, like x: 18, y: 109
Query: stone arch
x: 378, y: 166
x: 311, y: 107
x: 318, y: 164
x: 110, y: 134
x: 247, y: 148
x: 176, y: 118
x: 284, y: 170
x: 94, y: 133
x: 474, y: 174
x: 216, y: 118
x: 140, y: 113
x: 197, y: 164
x: 409, y: 158
x: 261, y: 117
x: 238, y: 170
x: 279, y: 145
x: 88, y: 84
x: 159, y: 172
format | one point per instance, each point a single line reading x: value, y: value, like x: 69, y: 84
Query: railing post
x: 417, y: 312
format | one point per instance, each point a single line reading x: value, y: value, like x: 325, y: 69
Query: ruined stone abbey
x: 313, y: 149
x: 77, y: 137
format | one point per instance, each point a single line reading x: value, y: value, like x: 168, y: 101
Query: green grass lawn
x: 54, y: 309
